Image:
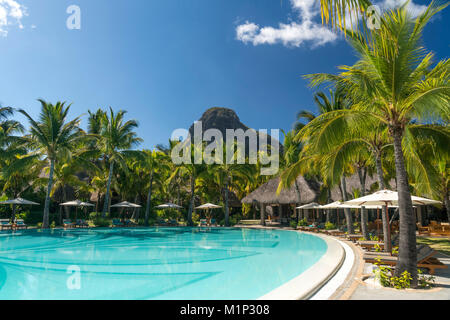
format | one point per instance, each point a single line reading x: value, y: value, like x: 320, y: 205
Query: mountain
x: 223, y: 119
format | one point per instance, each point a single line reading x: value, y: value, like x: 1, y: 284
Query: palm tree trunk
x: 447, y: 203
x: 347, y: 212
x: 362, y: 173
x: 227, y: 212
x: 45, y: 220
x: 382, y: 186
x: 191, y: 204
x: 299, y: 198
x: 263, y: 214
x: 149, y: 200
x: 407, y: 254
x: 108, y: 187
x: 66, y: 208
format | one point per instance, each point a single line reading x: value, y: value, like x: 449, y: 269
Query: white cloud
x: 414, y: 9
x: 11, y: 13
x: 291, y: 34
x: 308, y: 28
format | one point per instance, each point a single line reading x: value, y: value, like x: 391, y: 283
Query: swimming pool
x: 152, y: 263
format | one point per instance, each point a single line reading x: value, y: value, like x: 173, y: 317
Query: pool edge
x: 308, y: 282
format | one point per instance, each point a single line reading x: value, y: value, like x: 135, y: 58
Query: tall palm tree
x: 225, y: 173
x: 153, y: 166
x: 50, y: 136
x: 116, y: 137
x: 393, y: 83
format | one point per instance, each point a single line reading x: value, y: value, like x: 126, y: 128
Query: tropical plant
x: 394, y: 83
x: 50, y: 137
x: 115, y: 138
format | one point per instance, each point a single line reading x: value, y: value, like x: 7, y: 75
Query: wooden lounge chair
x: 117, y: 223
x: 173, y: 222
x: 161, y: 222
x: 67, y: 223
x: 425, y: 259
x: 130, y: 223
x: 369, y: 245
x: 213, y: 222
x: 335, y: 232
x: 203, y: 223
x: 81, y: 224
x: 5, y: 224
x: 20, y: 224
x: 354, y: 237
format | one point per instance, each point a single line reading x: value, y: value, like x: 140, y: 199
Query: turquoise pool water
x: 154, y: 263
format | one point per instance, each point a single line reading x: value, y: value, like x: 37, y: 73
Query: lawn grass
x: 439, y: 244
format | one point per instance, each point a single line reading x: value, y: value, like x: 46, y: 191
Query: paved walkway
x: 441, y: 291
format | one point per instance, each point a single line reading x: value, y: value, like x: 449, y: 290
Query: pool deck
x: 359, y: 285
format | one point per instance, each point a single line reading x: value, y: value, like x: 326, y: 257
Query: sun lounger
x: 173, y: 222
x: 425, y: 259
x: 354, y: 237
x: 117, y: 223
x: 20, y: 224
x: 335, y: 232
x: 81, y: 224
x: 213, y: 222
x: 129, y: 223
x: 203, y: 223
x: 161, y: 222
x: 368, y: 245
x: 4, y: 224
x: 67, y: 223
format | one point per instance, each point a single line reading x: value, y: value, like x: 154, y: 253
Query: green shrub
x: 101, y: 222
x: 425, y: 282
x: 402, y: 282
x: 330, y: 226
x: 385, y: 276
x: 303, y: 223
x: 293, y: 224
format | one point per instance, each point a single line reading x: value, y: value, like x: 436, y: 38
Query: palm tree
x: 153, y: 166
x: 393, y: 83
x: 324, y: 104
x: 50, y: 136
x: 225, y: 173
x: 115, y: 138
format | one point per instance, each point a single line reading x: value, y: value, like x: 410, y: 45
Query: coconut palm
x: 115, y: 139
x: 225, y: 173
x: 153, y: 165
x: 393, y: 83
x: 51, y: 135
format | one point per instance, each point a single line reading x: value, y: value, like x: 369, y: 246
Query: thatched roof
x: 267, y: 193
x: 352, y: 183
x: 309, y: 191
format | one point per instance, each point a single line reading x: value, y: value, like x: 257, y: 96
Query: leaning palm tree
x: 50, y: 136
x: 393, y: 83
x: 115, y: 138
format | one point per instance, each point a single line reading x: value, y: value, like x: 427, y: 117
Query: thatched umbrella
x: 20, y: 202
x: 76, y: 204
x: 208, y: 207
x: 126, y: 205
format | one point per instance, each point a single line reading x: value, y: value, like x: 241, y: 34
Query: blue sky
x: 167, y: 61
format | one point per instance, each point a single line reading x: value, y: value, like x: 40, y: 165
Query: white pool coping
x: 319, y: 276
